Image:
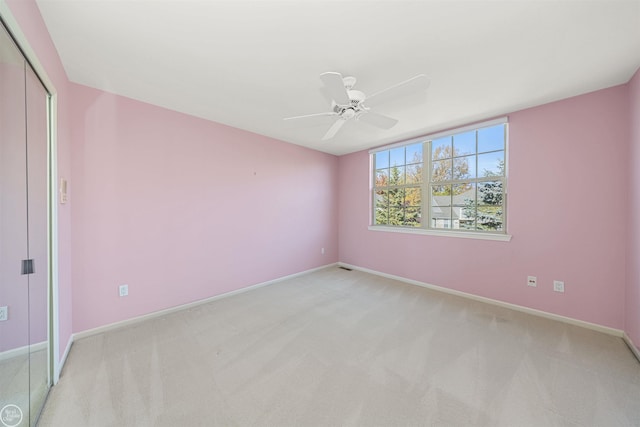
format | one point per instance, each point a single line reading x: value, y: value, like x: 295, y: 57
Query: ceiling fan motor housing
x: 356, y: 97
x: 354, y: 108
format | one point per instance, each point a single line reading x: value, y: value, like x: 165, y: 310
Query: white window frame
x: 425, y: 227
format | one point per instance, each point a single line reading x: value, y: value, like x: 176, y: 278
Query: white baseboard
x: 540, y: 313
x: 61, y: 362
x: 133, y: 320
x: 21, y: 351
x: 634, y: 349
x: 523, y: 309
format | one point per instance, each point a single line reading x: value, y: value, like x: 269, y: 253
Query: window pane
x: 465, y: 201
x: 441, y: 206
x: 414, y: 174
x: 396, y: 216
x: 396, y: 197
x: 490, y: 193
x: 414, y: 153
x: 467, y: 224
x: 441, y: 170
x: 396, y: 175
x: 412, y: 216
x: 382, y: 159
x: 381, y: 206
x: 441, y: 216
x: 464, y: 143
x: 490, y: 139
x: 456, y: 214
x: 441, y: 148
x: 382, y: 177
x: 439, y: 191
x: 462, y: 192
x: 440, y: 211
x: 491, y: 164
x: 489, y: 218
x: 396, y: 206
x: 396, y: 156
x: 464, y: 167
x: 412, y: 196
x: 468, y: 218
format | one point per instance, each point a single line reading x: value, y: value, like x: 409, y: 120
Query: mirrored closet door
x: 24, y: 266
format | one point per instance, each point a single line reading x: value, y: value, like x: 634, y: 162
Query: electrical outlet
x: 124, y: 290
x: 558, y: 286
x: 322, y: 251
x: 532, y: 281
x: 4, y: 313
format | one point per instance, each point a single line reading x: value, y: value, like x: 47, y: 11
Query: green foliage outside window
x: 488, y: 211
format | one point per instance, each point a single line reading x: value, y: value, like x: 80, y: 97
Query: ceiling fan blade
x: 326, y: 94
x: 415, y: 84
x: 334, y: 83
x: 333, y: 129
x: 307, y: 116
x: 379, y: 120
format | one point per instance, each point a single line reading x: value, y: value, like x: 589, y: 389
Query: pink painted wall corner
x: 564, y: 160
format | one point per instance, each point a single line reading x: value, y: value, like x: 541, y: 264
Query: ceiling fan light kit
x: 349, y: 104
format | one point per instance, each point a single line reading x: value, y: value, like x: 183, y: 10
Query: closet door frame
x: 11, y: 24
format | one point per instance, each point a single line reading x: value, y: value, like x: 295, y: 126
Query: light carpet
x: 340, y: 348
x: 24, y: 383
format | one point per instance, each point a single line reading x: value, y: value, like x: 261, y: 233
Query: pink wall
x: 36, y: 141
x: 182, y: 209
x: 28, y: 16
x: 632, y: 308
x: 170, y: 205
x: 14, y: 287
x: 567, y: 211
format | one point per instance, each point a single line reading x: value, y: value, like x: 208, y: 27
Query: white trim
x: 634, y: 349
x: 431, y: 136
x: 593, y: 326
x: 443, y: 233
x: 473, y: 126
x: 55, y: 298
x: 399, y: 144
x: 30, y: 54
x: 21, y: 351
x: 134, y: 320
x: 63, y: 360
x: 52, y: 149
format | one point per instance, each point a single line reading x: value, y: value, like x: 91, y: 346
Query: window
x: 398, y: 188
x: 452, y: 181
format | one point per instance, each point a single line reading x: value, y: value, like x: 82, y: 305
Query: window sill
x: 459, y: 234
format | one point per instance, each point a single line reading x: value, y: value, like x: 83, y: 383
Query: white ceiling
x: 249, y: 64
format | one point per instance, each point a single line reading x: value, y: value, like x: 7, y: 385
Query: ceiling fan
x: 349, y: 104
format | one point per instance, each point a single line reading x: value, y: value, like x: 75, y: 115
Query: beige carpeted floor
x: 339, y: 348
x: 24, y: 383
